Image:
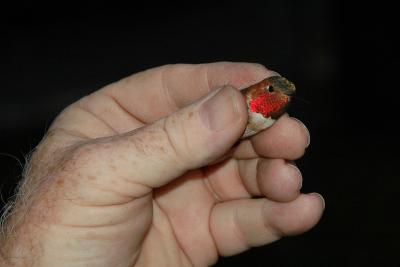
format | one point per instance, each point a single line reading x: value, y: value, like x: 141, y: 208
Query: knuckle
x: 82, y: 156
x: 176, y: 137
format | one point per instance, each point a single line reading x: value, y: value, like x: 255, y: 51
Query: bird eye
x: 270, y: 89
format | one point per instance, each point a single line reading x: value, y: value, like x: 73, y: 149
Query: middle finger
x: 286, y: 139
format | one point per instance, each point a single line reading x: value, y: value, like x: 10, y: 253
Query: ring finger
x: 275, y: 179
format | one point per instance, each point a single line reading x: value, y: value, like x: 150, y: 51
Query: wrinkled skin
x: 123, y: 177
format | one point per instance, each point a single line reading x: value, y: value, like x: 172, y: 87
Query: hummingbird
x: 266, y: 101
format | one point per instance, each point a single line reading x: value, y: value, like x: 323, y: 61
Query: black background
x: 341, y: 57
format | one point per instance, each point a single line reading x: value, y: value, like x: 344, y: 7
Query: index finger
x: 157, y: 92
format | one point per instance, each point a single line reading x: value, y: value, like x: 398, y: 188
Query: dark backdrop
x: 341, y: 57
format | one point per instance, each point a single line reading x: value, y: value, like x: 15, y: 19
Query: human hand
x: 123, y: 176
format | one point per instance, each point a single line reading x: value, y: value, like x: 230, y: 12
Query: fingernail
x: 274, y: 73
x: 293, y: 165
x: 221, y: 110
x: 307, y: 131
x: 322, y: 198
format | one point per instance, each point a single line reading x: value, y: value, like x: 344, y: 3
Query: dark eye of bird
x: 270, y: 89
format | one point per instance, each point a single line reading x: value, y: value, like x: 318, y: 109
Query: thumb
x: 189, y: 138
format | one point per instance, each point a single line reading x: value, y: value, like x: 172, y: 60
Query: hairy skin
x: 123, y: 176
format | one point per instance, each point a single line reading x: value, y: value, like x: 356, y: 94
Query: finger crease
x: 237, y: 229
x: 166, y: 89
x: 266, y: 223
x: 207, y: 77
x: 208, y: 184
x: 178, y: 241
x: 169, y: 139
x: 88, y: 111
x: 70, y: 132
x: 115, y: 100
